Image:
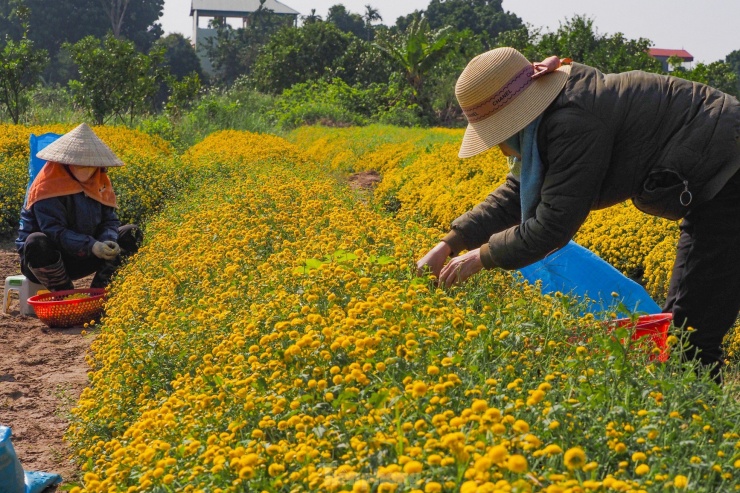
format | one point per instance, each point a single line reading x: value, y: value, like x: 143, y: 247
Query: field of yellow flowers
x: 423, y: 175
x: 151, y: 177
x: 271, y: 336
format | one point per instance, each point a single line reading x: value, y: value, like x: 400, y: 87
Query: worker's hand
x: 434, y: 259
x: 103, y: 251
x: 460, y: 268
x: 114, y: 246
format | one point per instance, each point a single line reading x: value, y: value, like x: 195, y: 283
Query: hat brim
x: 495, y: 129
x: 80, y: 147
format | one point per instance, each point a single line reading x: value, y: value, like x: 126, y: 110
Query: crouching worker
x: 69, y: 228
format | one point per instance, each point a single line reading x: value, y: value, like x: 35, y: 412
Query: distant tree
x: 578, y: 39
x: 675, y: 64
x: 311, y: 18
x: 485, y: 18
x: 346, y: 21
x: 180, y: 56
x: 233, y: 52
x: 140, y: 22
x: 716, y: 74
x: 523, y: 39
x: 363, y: 64
x: 371, y: 15
x: 53, y: 23
x: 265, y: 20
x: 185, y: 71
x: 10, y: 24
x: 416, y: 52
x: 182, y: 93
x: 115, y: 80
x: 300, y: 54
x: 20, y: 66
x: 115, y: 10
x: 733, y: 60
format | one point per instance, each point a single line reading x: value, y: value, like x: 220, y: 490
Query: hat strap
x: 549, y: 64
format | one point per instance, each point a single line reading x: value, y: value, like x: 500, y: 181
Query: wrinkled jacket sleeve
x: 579, y: 148
x: 108, y: 229
x: 500, y: 210
x: 51, y: 215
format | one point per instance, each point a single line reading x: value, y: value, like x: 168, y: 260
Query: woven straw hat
x: 499, y: 97
x: 80, y: 147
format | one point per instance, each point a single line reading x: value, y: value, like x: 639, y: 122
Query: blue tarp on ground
x: 575, y: 270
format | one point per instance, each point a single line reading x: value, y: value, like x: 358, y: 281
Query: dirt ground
x: 364, y: 180
x: 42, y: 373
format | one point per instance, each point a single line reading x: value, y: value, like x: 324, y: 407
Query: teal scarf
x: 529, y: 170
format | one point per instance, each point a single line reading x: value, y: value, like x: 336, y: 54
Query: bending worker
x: 587, y: 140
x: 69, y: 226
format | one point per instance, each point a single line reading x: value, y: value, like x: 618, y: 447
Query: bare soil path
x: 42, y: 373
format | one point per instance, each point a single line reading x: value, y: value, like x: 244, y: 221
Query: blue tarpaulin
x: 12, y: 477
x: 37, y: 143
x: 575, y: 270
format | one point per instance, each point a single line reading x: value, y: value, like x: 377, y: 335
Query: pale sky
x: 708, y: 29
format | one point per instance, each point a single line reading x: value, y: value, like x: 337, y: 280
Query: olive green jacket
x: 665, y: 143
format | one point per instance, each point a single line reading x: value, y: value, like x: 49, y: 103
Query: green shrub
x: 335, y: 103
x: 238, y: 108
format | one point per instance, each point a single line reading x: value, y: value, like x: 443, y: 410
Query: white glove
x: 104, y: 250
x: 114, y: 246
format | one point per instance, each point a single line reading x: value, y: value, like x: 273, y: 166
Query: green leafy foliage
x: 135, y: 20
x: 185, y: 74
x: 52, y: 24
x: 182, y: 94
x: 233, y: 52
x: 335, y: 103
x: 295, y: 55
x: 331, y: 103
x: 346, y: 21
x: 363, y: 63
x: 733, y: 59
x: 180, y: 56
x: 578, y: 38
x: 20, y: 66
x: 717, y: 74
x: 416, y: 52
x: 484, y: 18
x: 238, y: 107
x: 115, y: 80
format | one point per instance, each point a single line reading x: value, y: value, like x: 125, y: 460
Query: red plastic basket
x: 654, y: 327
x: 58, y: 310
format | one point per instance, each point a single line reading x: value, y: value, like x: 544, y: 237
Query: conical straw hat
x: 80, y: 147
x: 499, y: 97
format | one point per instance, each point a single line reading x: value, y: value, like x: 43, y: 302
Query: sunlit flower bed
x: 422, y: 174
x: 271, y: 336
x: 151, y: 177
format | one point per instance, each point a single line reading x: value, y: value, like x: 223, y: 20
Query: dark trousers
x: 40, y: 251
x: 704, y: 292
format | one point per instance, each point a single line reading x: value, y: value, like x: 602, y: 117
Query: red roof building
x: 662, y: 55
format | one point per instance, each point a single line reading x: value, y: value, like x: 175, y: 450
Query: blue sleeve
x: 51, y: 215
x: 108, y: 229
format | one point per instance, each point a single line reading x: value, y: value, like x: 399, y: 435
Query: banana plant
x: 418, y: 50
